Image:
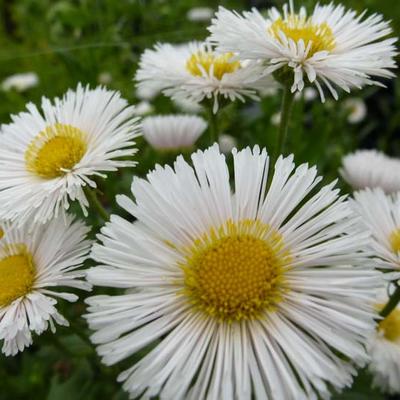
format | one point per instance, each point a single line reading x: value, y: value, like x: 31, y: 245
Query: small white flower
x: 146, y: 93
x: 356, y: 108
x: 200, y: 14
x: 371, y: 168
x: 34, y: 259
x: 193, y: 71
x: 188, y: 106
x: 143, y: 108
x: 331, y: 47
x: 47, y: 157
x: 20, y: 82
x: 251, y: 293
x: 104, y: 78
x: 226, y: 143
x: 276, y: 118
x: 173, y: 132
x: 384, y: 350
x: 380, y: 216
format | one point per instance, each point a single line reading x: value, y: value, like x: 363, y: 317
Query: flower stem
x: 95, y: 203
x: 213, y: 126
x: 392, y: 303
x: 286, y: 110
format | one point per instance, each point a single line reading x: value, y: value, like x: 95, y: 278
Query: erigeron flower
x: 253, y: 293
x: 384, y: 350
x: 226, y: 143
x: 380, y: 215
x: 20, y: 82
x: 48, y: 156
x: 143, y: 108
x: 371, y: 168
x: 332, y: 47
x: 194, y: 71
x: 356, y: 110
x: 173, y: 132
x: 34, y: 259
x: 200, y: 14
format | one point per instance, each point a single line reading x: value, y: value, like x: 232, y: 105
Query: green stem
x: 95, y: 203
x: 286, y: 110
x: 392, y: 303
x: 213, y: 126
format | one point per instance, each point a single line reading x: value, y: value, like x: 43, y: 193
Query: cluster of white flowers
x: 248, y: 282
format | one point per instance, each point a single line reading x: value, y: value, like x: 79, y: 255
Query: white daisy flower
x: 188, y: 106
x: 173, y: 132
x: 143, y: 108
x: 276, y: 118
x: 193, y: 71
x: 35, y: 258
x: 331, y: 47
x: 356, y: 109
x: 20, y: 82
x: 226, y: 143
x: 244, y: 294
x: 371, y: 168
x: 380, y: 215
x: 200, y: 14
x: 384, y: 350
x: 48, y: 156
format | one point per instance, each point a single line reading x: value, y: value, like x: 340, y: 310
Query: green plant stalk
x: 95, y: 203
x: 286, y: 111
x: 212, y: 125
x: 391, y: 304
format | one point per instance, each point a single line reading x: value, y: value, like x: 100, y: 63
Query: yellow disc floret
x: 390, y: 326
x: 207, y: 62
x: 237, y: 271
x: 1, y: 233
x: 17, y: 274
x: 395, y: 240
x: 55, y: 151
x: 319, y: 36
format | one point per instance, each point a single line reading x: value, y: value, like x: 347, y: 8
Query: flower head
x: 33, y: 260
x: 173, y: 132
x: 20, y: 82
x: 331, y: 47
x: 48, y: 156
x: 195, y: 72
x: 261, y: 292
x: 369, y: 169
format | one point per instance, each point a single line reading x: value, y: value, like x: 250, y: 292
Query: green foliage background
x: 66, y: 42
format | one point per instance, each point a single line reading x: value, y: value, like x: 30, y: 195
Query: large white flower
x: 193, y: 71
x: 384, y: 349
x: 371, y: 168
x: 34, y: 259
x: 173, y: 132
x: 240, y: 294
x: 331, y: 47
x: 47, y: 157
x: 380, y: 216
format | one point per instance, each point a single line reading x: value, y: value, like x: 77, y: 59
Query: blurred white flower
x: 194, y: 71
x: 187, y: 105
x: 356, y: 108
x: 200, y: 14
x: 369, y: 169
x: 226, y: 143
x: 333, y: 47
x: 20, y: 82
x: 173, y: 132
x: 146, y: 92
x: 276, y: 119
x: 104, y: 78
x: 143, y: 108
x: 35, y: 259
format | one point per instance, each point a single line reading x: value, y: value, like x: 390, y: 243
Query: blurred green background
x: 66, y: 42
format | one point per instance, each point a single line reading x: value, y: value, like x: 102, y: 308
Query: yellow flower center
x: 395, y: 240
x: 55, y: 151
x: 237, y: 271
x: 206, y: 61
x: 320, y: 36
x: 390, y: 326
x: 1, y: 233
x: 17, y: 274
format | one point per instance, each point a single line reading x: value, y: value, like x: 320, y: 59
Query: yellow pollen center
x: 237, y: 271
x: 395, y: 240
x: 55, y: 151
x: 319, y: 36
x: 17, y: 273
x: 206, y: 62
x: 390, y: 326
x: 1, y: 233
